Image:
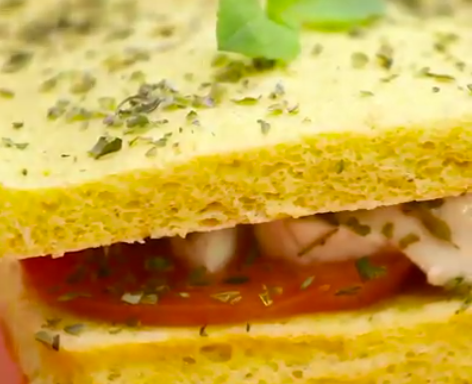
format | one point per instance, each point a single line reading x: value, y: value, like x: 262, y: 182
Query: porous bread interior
x: 345, y: 148
x: 411, y: 339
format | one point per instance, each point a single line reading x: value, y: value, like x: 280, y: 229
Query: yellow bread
x: 410, y: 339
x: 345, y: 149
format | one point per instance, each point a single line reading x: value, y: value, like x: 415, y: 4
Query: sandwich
x: 287, y: 206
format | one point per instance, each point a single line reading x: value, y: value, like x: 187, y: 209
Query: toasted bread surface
x: 410, y: 339
x: 362, y: 135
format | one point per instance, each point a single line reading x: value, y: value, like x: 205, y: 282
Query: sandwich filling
x: 326, y: 262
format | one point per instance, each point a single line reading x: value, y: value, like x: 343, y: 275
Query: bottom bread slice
x: 410, y: 339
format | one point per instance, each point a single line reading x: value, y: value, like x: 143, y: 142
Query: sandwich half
x: 171, y: 214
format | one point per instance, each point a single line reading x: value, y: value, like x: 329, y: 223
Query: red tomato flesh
x: 142, y: 284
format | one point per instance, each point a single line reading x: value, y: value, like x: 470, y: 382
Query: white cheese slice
x: 364, y: 233
x: 212, y: 250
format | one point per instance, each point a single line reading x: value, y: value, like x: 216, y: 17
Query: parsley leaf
x: 243, y: 27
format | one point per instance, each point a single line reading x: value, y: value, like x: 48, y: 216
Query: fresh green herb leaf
x: 330, y: 14
x: 243, y: 27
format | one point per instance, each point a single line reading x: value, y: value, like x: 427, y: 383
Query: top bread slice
x: 352, y: 129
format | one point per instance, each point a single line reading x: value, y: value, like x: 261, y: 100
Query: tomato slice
x: 141, y: 284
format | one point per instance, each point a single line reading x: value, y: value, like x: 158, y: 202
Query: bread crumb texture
x: 357, y: 121
x: 412, y: 339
